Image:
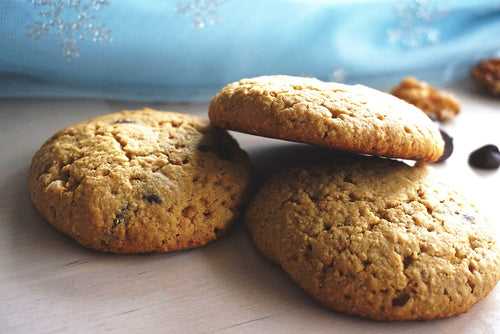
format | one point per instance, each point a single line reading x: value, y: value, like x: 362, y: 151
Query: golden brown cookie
x: 142, y: 181
x: 352, y: 118
x: 376, y: 238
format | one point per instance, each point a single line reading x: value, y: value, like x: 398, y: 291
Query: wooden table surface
x: 49, y: 284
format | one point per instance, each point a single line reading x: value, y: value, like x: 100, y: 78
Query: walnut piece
x: 436, y: 104
x: 487, y: 73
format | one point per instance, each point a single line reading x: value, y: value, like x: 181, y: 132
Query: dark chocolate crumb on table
x: 485, y: 157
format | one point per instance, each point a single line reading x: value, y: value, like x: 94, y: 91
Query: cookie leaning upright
x: 376, y: 238
x: 352, y: 118
x: 143, y: 181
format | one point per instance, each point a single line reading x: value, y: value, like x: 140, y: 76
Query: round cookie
x: 375, y: 238
x: 351, y: 118
x: 142, y: 181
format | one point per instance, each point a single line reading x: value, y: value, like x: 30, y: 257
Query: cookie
x: 142, y: 181
x: 376, y: 238
x: 351, y: 118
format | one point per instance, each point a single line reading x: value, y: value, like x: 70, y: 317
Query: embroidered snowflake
x: 414, y: 24
x: 338, y: 75
x: 202, y: 12
x: 71, y: 21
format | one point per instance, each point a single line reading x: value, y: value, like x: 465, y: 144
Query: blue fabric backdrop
x: 185, y: 50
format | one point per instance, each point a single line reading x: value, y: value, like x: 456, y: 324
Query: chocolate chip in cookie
x: 152, y: 199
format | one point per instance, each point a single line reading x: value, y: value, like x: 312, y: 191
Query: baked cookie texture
x: 351, y: 118
x: 376, y: 238
x: 140, y: 181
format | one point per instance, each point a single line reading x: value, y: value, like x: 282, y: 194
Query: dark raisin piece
x: 486, y: 157
x: 448, y: 146
x: 121, y: 217
x: 401, y: 299
x: 152, y: 199
x: 407, y: 261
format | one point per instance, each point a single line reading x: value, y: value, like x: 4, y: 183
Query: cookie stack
x: 363, y: 235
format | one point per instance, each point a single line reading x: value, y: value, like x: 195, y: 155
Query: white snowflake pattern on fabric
x: 202, y: 12
x: 414, y: 24
x: 338, y: 75
x: 71, y: 21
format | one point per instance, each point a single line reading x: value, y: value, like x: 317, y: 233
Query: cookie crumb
x: 437, y: 104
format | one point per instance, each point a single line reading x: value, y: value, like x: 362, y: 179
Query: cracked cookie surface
x: 376, y: 238
x: 140, y: 181
x: 351, y: 118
